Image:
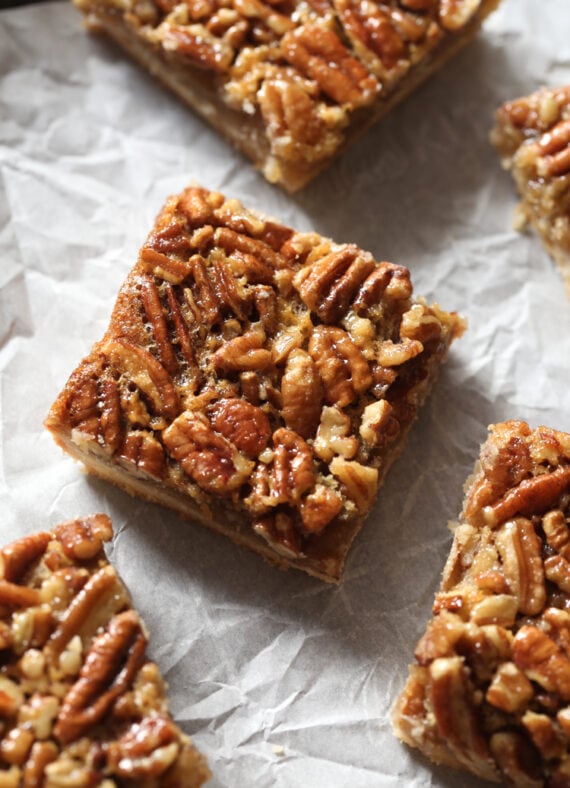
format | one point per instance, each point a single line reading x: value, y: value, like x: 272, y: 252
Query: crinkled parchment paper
x: 281, y: 680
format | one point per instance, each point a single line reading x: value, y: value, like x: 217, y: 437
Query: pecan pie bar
x: 490, y: 690
x: 256, y: 379
x: 289, y: 82
x: 532, y: 135
x: 81, y: 705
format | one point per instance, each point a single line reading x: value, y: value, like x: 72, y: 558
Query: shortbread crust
x: 81, y: 704
x: 490, y: 689
x: 255, y: 379
x: 290, y: 83
x: 532, y: 135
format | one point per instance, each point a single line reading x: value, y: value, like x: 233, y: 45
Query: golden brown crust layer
x: 290, y: 83
x: 490, y: 690
x: 532, y: 135
x: 81, y: 704
x: 258, y: 380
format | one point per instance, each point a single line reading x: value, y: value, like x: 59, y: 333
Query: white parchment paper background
x: 256, y: 659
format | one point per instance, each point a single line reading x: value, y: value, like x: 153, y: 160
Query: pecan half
x: 145, y: 751
x: 146, y: 372
x: 302, y: 393
x: 109, y: 669
x: 542, y: 660
x: 387, y: 280
x: 530, y: 497
x: 520, y: 550
x: 110, y: 418
x: 145, y: 451
x: 82, y: 539
x: 371, y: 30
x: 20, y: 555
x: 456, y: 718
x: 292, y: 472
x: 196, y: 43
x: 557, y: 532
x: 244, y: 353
x: 232, y: 241
x: 101, y: 597
x: 554, y: 151
x: 341, y: 364
x: 155, y: 315
x: 319, y: 54
x: 329, y: 285
x: 245, y: 425
x: 206, y: 456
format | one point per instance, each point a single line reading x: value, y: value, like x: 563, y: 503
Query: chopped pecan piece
x: 359, y: 481
x: 319, y: 508
x: 334, y: 435
x: 510, y: 689
x: 455, y: 14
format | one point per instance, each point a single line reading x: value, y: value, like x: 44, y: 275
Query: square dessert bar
x: 532, y: 135
x: 255, y: 379
x: 289, y: 83
x: 490, y: 689
x: 81, y: 704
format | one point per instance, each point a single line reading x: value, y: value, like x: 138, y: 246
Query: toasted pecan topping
x: 498, y: 646
x: 244, y: 360
x: 532, y: 135
x: 61, y: 697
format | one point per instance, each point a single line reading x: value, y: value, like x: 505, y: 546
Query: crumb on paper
x: 278, y: 749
